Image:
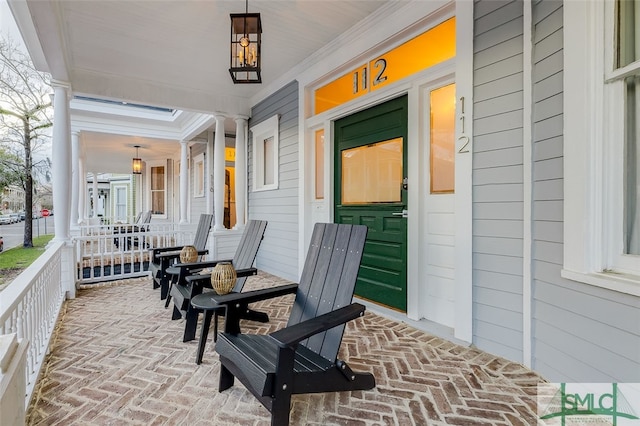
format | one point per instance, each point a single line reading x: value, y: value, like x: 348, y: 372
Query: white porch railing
x: 29, y: 307
x: 114, y: 252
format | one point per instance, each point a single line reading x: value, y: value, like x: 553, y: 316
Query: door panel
x: 374, y: 196
x: 438, y: 265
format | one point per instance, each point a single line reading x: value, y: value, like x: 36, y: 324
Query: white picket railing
x: 29, y: 307
x: 113, y: 252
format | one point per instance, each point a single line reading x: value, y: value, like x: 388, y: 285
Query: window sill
x: 615, y: 281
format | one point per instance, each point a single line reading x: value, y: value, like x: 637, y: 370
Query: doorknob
x: 403, y: 213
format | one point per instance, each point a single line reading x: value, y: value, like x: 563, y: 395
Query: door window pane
x: 442, y: 137
x: 372, y: 173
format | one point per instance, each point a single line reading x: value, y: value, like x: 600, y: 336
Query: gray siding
x: 498, y: 177
x: 581, y: 333
x: 278, y: 253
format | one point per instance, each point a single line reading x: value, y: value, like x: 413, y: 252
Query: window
x: 265, y: 154
x: 601, y: 133
x: 319, y: 163
x: 198, y: 176
x: 121, y: 203
x: 442, y: 137
x: 158, y: 184
x: 627, y: 55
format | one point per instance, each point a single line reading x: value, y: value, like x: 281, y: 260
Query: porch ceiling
x: 175, y: 54
x: 172, y: 54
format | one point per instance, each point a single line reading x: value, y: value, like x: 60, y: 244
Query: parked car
x: 15, y: 217
x: 1, y: 243
x: 22, y: 215
x: 5, y: 219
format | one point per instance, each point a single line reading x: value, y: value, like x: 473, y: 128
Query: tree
x: 25, y: 121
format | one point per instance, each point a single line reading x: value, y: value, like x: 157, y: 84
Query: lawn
x: 15, y: 260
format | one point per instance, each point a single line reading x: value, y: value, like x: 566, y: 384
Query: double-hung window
x: 198, y: 176
x: 266, y: 154
x: 602, y: 143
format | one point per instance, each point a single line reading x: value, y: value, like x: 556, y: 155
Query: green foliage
x: 10, y: 169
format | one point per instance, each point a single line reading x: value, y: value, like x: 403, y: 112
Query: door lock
x: 403, y: 213
x: 405, y: 184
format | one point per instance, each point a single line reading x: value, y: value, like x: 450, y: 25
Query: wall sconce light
x: 246, y: 36
x: 137, y: 163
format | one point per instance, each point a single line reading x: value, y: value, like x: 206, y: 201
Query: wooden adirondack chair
x: 302, y: 357
x: 187, y: 283
x: 162, y: 258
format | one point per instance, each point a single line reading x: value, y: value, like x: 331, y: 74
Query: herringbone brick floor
x: 118, y: 359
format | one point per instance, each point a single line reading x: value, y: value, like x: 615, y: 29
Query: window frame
x: 116, y: 191
x: 268, y: 128
x: 198, y: 181
x: 164, y: 189
x: 593, y: 151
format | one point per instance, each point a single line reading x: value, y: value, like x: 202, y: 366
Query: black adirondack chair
x: 141, y: 225
x: 164, y: 257
x: 302, y: 357
x: 187, y: 283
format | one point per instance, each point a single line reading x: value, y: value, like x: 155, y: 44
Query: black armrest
x: 198, y: 278
x: 294, y: 334
x: 176, y: 254
x: 197, y: 266
x: 159, y: 250
x: 255, y: 295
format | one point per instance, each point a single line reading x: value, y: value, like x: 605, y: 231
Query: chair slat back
x: 248, y: 249
x: 328, y: 280
x: 202, y: 232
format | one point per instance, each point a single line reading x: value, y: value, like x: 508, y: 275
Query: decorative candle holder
x: 223, y: 277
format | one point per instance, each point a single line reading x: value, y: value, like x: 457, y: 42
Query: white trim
x: 150, y: 191
x: 463, y: 329
x: 260, y: 133
x: 199, y: 182
x: 593, y: 152
x: 527, y: 183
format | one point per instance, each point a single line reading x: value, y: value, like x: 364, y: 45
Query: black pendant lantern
x: 137, y: 163
x: 246, y: 33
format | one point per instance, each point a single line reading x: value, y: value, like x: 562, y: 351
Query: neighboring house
x: 12, y: 199
x: 484, y: 143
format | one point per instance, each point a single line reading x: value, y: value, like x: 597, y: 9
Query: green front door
x: 371, y: 160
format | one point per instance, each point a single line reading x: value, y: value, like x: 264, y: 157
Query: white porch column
x: 241, y: 170
x: 94, y: 196
x: 184, y: 181
x: 75, y: 178
x: 218, y: 173
x: 208, y: 179
x: 61, y: 176
x: 61, y: 161
x: 82, y: 192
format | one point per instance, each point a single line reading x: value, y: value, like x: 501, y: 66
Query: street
x: 13, y: 235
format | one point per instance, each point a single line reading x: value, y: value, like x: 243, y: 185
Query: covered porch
x: 123, y: 362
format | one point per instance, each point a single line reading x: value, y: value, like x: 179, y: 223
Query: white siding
x: 278, y: 252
